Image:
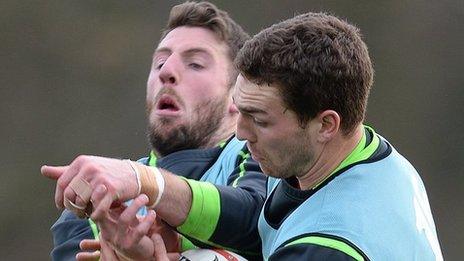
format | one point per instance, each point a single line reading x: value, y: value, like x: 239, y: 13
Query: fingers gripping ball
x: 210, y: 255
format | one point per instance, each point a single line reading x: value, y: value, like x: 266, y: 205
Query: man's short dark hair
x: 317, y: 61
x: 207, y: 15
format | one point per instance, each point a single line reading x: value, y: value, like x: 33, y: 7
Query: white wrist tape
x: 137, y: 175
x: 160, y: 181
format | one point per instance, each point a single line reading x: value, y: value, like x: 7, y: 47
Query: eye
x: 259, y: 122
x: 158, y: 61
x: 158, y: 64
x: 196, y: 66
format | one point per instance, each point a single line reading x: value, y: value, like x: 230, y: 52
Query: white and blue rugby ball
x: 210, y: 255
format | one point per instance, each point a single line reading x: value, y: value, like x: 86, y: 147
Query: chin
x: 167, y: 123
x: 268, y: 171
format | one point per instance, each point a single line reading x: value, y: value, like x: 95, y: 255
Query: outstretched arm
x: 182, y: 202
x: 77, y: 184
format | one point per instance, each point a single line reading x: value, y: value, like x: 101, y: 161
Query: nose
x: 244, y: 129
x: 169, y: 72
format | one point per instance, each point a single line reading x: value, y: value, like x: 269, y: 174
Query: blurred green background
x: 73, y: 75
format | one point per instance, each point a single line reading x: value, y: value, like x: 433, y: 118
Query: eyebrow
x: 188, y: 52
x: 193, y: 51
x: 161, y: 50
x: 250, y: 110
x: 247, y: 109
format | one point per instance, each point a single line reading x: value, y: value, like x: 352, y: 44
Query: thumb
x: 53, y: 172
x: 160, y: 249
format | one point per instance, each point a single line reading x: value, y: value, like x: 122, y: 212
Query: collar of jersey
x: 361, y: 152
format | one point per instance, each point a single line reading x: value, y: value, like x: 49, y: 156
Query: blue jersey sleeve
x: 68, y: 231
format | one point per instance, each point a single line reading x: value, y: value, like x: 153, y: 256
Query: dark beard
x: 206, y: 122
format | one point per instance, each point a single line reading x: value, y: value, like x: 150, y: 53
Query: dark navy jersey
x: 228, y: 161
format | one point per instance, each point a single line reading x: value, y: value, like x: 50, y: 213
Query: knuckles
x: 79, y: 160
x: 91, y: 169
x: 87, y: 164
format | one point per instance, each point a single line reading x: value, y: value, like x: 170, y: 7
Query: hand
x: 91, y: 248
x: 128, y: 234
x: 121, y: 228
x: 170, y: 236
x: 96, y: 250
x: 107, y: 253
x: 116, y: 175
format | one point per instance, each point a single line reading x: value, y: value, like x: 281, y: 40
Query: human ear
x: 329, y: 125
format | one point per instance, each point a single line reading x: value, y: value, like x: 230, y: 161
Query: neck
x: 218, y: 138
x: 331, y: 155
x: 225, y: 131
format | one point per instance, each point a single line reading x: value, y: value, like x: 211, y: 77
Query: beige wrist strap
x: 152, y: 183
x: 161, y: 184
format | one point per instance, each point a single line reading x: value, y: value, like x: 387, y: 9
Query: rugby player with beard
x: 190, y: 113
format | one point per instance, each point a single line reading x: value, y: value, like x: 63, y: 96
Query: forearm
x: 176, y: 200
x: 168, y: 194
x: 241, y: 205
x: 226, y: 216
x: 211, y: 214
x: 223, y: 217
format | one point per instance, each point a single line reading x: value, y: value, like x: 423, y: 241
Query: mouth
x: 167, y: 106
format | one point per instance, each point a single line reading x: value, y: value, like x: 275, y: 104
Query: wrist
x: 151, y: 183
x: 136, y: 172
x: 160, y: 183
